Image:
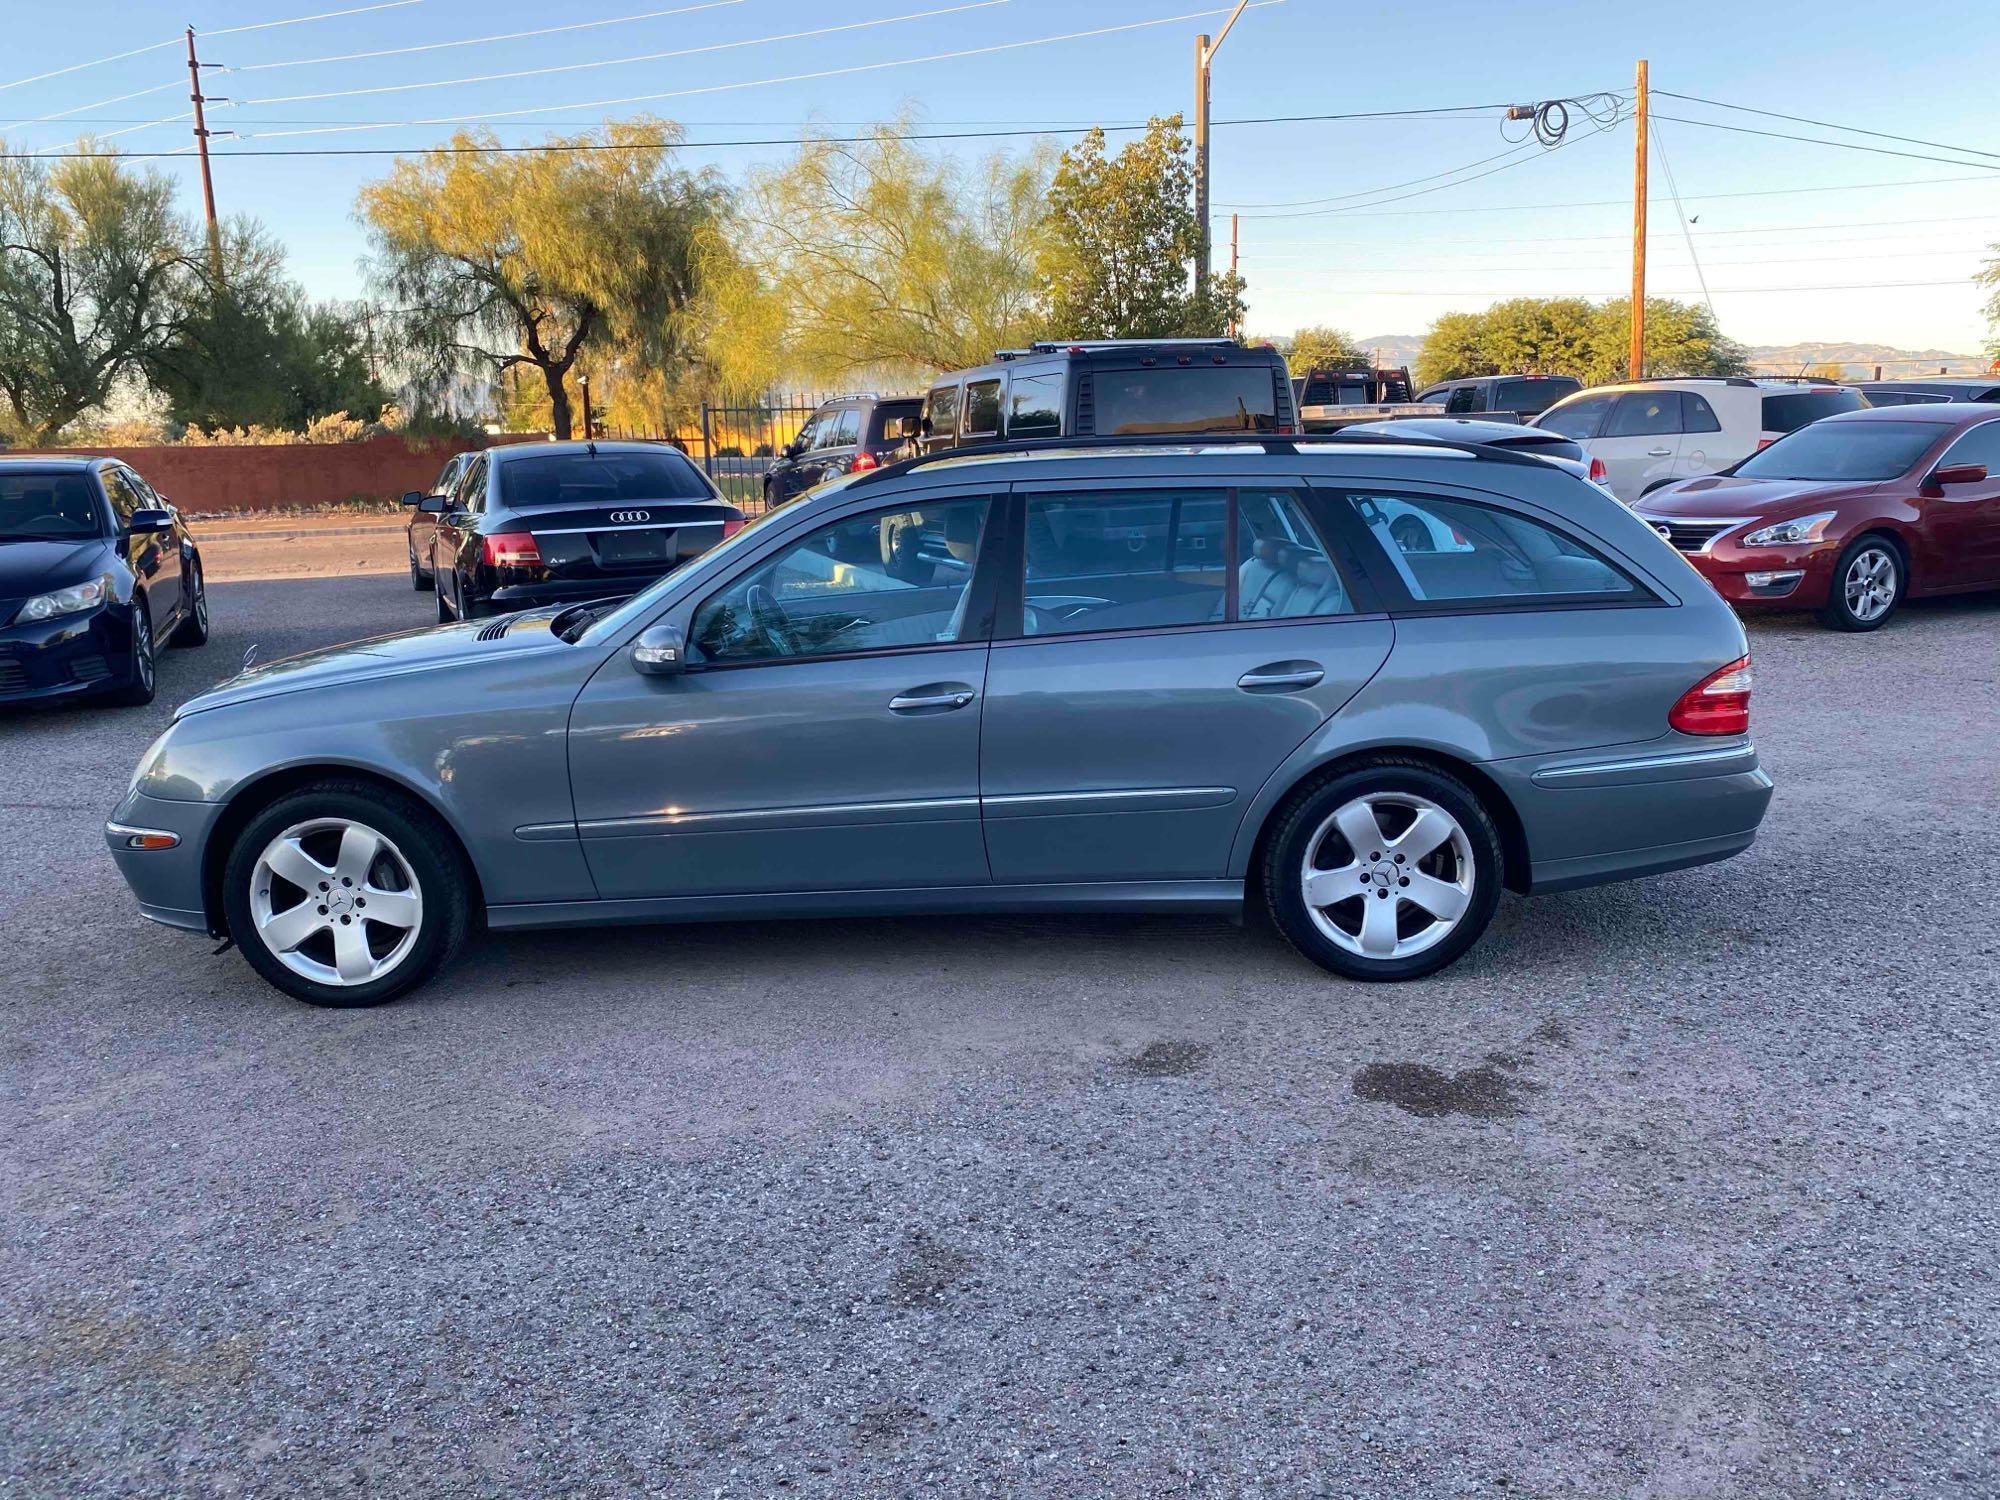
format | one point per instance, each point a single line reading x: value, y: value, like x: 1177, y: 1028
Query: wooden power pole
x: 201, y: 145
x: 1636, y: 359
x: 1204, y: 55
x: 1235, y: 226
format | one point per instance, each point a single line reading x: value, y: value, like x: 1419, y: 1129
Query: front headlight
x: 1791, y: 533
x: 69, y: 601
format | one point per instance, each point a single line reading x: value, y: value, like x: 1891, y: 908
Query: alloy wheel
x: 336, y: 902
x: 1869, y: 585
x: 1388, y: 875
x: 143, y: 666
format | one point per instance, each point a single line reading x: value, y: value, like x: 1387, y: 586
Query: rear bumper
x: 66, y: 657
x: 567, y: 591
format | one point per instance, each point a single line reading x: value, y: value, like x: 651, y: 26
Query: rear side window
x: 1451, y: 551
x: 982, y: 408
x: 893, y: 424
x: 942, y: 413
x: 594, y: 479
x: 846, y: 429
x: 1283, y: 571
x: 1697, y: 415
x: 1463, y: 399
x: 1794, y: 409
x: 1530, y: 396
x: 1187, y: 399
x: 1645, y: 414
x: 1127, y: 560
x: 1034, y: 405
x: 1580, y: 418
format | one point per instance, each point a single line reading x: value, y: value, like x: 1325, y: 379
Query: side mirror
x: 430, y: 505
x: 413, y: 497
x: 149, y: 519
x: 1959, y: 474
x: 660, y: 651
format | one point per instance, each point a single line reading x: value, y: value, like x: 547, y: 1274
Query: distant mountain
x: 1857, y: 361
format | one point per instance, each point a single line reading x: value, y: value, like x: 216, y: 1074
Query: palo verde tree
x: 1118, y: 250
x: 1322, y: 348
x: 1574, y: 336
x: 97, y: 273
x: 542, y: 259
x: 871, y: 256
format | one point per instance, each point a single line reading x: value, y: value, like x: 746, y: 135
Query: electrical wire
x: 476, y: 41
x: 1813, y: 140
x: 1659, y: 144
x: 1854, y: 286
x: 1369, y: 192
x: 638, y: 57
x: 1880, y: 135
x: 96, y: 62
x: 325, y: 15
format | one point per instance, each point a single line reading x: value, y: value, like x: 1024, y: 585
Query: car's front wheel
x: 141, y: 666
x: 1868, y: 585
x: 443, y: 603
x: 193, y: 630
x: 1388, y: 871
x: 345, y: 894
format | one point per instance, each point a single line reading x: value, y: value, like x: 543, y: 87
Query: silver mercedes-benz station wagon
x: 1361, y: 683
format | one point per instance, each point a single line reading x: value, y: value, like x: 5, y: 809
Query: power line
x: 1513, y: 150
x: 1317, y: 268
x: 475, y: 41
x: 1673, y: 188
x: 1880, y: 135
x: 723, y: 88
x: 638, y: 57
x: 1623, y: 235
x: 1813, y: 140
x: 96, y: 62
x: 1857, y: 286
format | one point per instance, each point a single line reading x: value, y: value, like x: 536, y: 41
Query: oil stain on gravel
x: 1483, y: 1092
x: 926, y: 1273
x: 1169, y: 1059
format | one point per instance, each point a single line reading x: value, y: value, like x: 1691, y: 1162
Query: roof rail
x: 1716, y: 379
x: 1058, y: 346
x: 1171, y: 441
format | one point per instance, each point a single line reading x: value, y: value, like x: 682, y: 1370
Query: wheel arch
x: 1516, y: 868
x: 255, y: 794
x: 1892, y: 533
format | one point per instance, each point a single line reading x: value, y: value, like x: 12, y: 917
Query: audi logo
x: 629, y: 517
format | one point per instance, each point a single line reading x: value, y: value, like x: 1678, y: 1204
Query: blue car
x: 96, y: 571
x: 1189, y: 675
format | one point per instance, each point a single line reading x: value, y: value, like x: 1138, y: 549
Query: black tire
x: 443, y: 604
x: 1838, y: 613
x: 1303, y: 822
x: 142, y: 664
x: 193, y: 630
x: 442, y: 878
x: 421, y: 581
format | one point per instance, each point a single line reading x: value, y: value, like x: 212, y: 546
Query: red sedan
x: 1849, y: 516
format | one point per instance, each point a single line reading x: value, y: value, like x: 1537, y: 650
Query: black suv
x: 1108, y: 387
x: 846, y: 434
x: 1524, y: 395
x: 1927, y: 392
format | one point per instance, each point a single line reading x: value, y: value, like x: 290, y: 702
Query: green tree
x: 1572, y: 336
x: 1321, y: 348
x: 597, y: 244
x: 97, y: 273
x: 254, y: 352
x: 1989, y: 276
x: 1118, y: 254
x: 871, y: 256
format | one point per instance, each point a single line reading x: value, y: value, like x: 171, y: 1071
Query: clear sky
x: 1798, y: 241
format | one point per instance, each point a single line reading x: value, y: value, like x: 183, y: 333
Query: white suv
x: 1652, y: 432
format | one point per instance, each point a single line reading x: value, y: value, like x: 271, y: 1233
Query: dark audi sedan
x: 95, y: 571
x: 556, y: 523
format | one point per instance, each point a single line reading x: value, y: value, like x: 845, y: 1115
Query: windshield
x: 51, y: 504
x: 1860, y: 451
x: 584, y: 478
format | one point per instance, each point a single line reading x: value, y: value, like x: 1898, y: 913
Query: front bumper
x: 60, y: 658
x: 1754, y: 578
x: 167, y: 882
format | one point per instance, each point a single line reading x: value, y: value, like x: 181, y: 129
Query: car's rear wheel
x: 443, y: 603
x: 1388, y: 871
x: 343, y: 894
x: 193, y: 631
x: 141, y: 666
x: 1868, y: 585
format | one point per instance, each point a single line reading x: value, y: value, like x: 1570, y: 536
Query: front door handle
x: 1659, y: 453
x: 932, y: 697
x: 1281, y: 677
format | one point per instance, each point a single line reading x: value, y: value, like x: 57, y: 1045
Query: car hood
x: 395, y: 655
x: 1722, y: 496
x: 28, y: 568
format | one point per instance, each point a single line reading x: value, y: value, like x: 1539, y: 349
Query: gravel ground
x: 1679, y: 1188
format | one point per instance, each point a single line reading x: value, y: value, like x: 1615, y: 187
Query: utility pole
x: 589, y: 432
x: 1636, y: 359
x: 1235, y: 225
x: 201, y: 145
x: 1204, y: 54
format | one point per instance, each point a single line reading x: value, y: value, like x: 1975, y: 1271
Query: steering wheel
x: 773, y: 629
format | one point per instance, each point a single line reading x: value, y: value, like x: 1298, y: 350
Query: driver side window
x: 882, y: 581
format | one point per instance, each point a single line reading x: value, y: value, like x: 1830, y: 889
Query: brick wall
x: 267, y: 478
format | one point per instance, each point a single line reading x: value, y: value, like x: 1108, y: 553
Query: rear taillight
x: 1763, y: 443
x: 863, y: 462
x: 730, y: 526
x: 1598, y: 473
x: 512, y: 549
x: 1718, y: 704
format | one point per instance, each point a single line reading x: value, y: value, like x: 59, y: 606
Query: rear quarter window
x: 1794, y: 409
x: 1530, y: 396
x: 1581, y: 418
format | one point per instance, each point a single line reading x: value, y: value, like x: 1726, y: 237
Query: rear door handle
x: 1281, y: 677
x: 1659, y: 453
x: 934, y: 697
